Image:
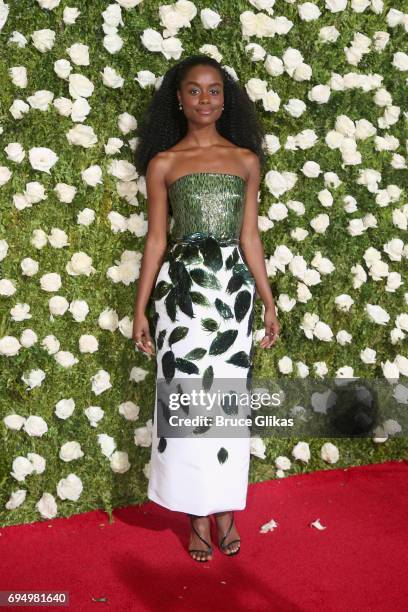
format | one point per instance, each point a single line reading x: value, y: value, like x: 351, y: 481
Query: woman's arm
x: 252, y: 247
x: 155, y: 246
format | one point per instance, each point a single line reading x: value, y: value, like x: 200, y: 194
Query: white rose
x: 368, y: 355
x: 64, y: 408
x: 58, y: 238
x: 401, y: 321
x: 19, y: 76
x: 70, y: 451
x: 292, y: 58
x: 38, y: 462
x: 82, y: 135
x: 320, y: 223
x: 400, y: 61
x: 15, y: 152
x: 50, y: 344
x: 16, y: 499
x: 22, y: 467
x: 58, y: 305
x: 112, y: 15
x: 271, y: 101
x: 28, y: 338
x: 329, y: 453
x: 301, y: 451
x: 257, y: 447
x: 65, y: 193
x: 112, y: 42
x: 107, y: 444
x: 210, y: 19
x: 256, y: 89
x: 283, y: 463
x: 111, y: 78
x: 344, y: 302
x: 137, y: 374
x: 80, y: 86
x: 35, y: 426
x: 47, y: 506
x: 323, y: 332
x: 274, y: 65
x: 285, y: 365
x: 119, y: 462
x: 43, y: 40
x: 302, y: 73
x: 92, y: 176
x: 63, y: 106
x: 329, y: 34
x: 402, y: 364
x: 79, y: 54
x: 152, y: 40
x: 42, y: 158
x: 50, y: 281
x: 143, y: 435
x: 5, y: 175
x: 113, y: 146
x: 172, y: 48
x: 380, y: 40
x: 343, y: 337
x: 41, y: 99
x: 145, y: 78
x: 70, y: 487
x: 7, y: 288
x: 14, y: 421
x: 94, y: 414
x: 377, y: 314
x: 295, y: 107
x: 62, y: 68
x: 88, y: 343
x: 80, y: 110
x: 70, y: 15
x: 319, y: 94
x: 390, y: 370
x: 100, y: 382
x: 129, y: 410
x: 65, y: 359
x: 86, y: 216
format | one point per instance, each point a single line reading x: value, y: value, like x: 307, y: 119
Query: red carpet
x: 358, y: 563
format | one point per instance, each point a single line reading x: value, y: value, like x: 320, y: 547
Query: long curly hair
x: 163, y: 124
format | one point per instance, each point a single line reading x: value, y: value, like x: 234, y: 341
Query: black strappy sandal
x: 225, y: 547
x: 190, y: 550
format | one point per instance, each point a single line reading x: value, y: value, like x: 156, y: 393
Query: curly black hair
x: 163, y: 125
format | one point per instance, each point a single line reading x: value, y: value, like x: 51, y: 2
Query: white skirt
x: 204, y: 308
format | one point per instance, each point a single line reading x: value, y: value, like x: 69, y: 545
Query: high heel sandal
x: 190, y: 550
x: 225, y: 547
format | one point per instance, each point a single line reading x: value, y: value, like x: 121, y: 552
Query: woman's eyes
x: 194, y: 89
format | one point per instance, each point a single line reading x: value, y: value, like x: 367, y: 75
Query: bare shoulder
x: 158, y: 165
x: 250, y: 160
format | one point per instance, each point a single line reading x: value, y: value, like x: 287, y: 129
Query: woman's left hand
x: 272, y: 328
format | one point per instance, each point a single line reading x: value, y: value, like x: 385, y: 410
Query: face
x: 202, y: 94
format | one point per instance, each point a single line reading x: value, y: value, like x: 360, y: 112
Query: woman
x: 200, y: 148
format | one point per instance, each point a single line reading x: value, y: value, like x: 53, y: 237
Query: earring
x: 180, y: 106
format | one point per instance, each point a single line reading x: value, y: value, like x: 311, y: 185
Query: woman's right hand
x: 141, y: 335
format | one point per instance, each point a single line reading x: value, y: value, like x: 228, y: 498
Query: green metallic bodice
x: 207, y: 203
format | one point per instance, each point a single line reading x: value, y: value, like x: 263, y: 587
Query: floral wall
x: 329, y: 80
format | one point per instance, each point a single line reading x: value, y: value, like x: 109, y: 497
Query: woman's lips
x: 202, y: 112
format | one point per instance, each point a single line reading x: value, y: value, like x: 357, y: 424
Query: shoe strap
x: 196, y: 532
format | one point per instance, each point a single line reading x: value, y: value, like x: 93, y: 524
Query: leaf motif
x: 242, y: 304
x: 222, y: 455
x: 244, y: 271
x: 162, y: 445
x: 223, y: 308
x: 208, y: 378
x: 160, y: 338
x: 212, y: 255
x: 223, y: 341
x: 191, y: 254
x: 232, y: 259
x: 235, y: 282
x: 199, y: 298
x: 180, y: 276
x: 161, y: 289
x: 205, y: 279
x: 170, y: 303
x: 251, y: 319
x: 240, y: 359
x: 178, y: 334
x: 186, y: 366
x: 209, y: 325
x: 165, y: 409
x: 201, y: 429
x: 229, y: 404
x: 197, y: 353
x: 168, y: 366
x: 185, y: 303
